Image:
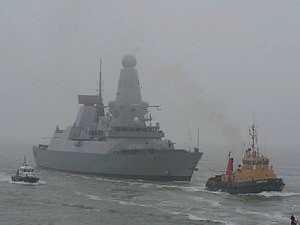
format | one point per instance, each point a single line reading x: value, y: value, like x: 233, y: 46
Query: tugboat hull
x: 25, y: 179
x: 214, y: 184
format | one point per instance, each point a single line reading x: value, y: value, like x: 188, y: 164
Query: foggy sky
x: 209, y: 64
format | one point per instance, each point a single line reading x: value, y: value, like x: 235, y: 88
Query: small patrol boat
x: 253, y: 176
x: 25, y: 174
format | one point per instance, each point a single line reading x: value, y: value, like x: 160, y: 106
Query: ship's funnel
x: 128, y: 108
x: 229, y: 168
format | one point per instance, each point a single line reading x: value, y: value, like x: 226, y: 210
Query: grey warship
x: 117, y: 140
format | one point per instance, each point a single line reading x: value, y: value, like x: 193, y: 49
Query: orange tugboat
x: 253, y: 176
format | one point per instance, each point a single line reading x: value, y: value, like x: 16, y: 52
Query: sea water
x: 63, y: 198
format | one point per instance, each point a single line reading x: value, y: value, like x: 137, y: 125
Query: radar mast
x: 100, y: 106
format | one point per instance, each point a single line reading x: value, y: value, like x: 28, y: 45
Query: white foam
x: 201, y: 189
x: 85, y: 177
x: 170, y: 203
x: 149, y: 185
x: 145, y: 185
x: 78, y: 193
x: 132, y: 203
x: 196, y: 218
x: 201, y: 199
x: 94, y: 197
x: 142, y: 183
x: 78, y: 175
x: 126, y: 203
x: 111, y: 180
x: 272, y: 216
x: 165, y: 186
x: 98, y: 198
x: 295, y: 206
x: 192, y: 217
x: 24, y: 183
x: 194, y: 188
x: 278, y: 194
x: 42, y: 182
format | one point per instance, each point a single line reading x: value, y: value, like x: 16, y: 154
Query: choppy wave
x: 170, y: 203
x: 179, y: 186
x: 95, y: 197
x: 183, y: 187
x: 276, y: 215
x: 211, y: 202
x: 142, y: 183
x: 77, y: 193
x: 80, y: 176
x: 206, y: 221
x: 112, y: 180
x: 174, y: 186
x: 121, y: 202
x: 194, y: 188
x: 88, y: 208
x: 202, y: 189
x: 209, y: 221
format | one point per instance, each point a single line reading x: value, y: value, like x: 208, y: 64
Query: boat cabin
x: 25, y: 171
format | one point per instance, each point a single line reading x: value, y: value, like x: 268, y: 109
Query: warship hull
x: 166, y: 165
x: 214, y: 184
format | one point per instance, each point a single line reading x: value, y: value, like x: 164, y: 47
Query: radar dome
x: 129, y: 61
x: 136, y: 119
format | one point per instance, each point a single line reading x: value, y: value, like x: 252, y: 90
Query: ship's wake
x: 271, y: 194
x: 278, y: 194
x: 179, y: 185
x: 27, y: 183
x: 119, y: 201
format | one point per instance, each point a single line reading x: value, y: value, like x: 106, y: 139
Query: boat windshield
x: 26, y: 170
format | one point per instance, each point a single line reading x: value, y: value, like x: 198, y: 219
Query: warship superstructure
x: 253, y: 176
x: 117, y: 140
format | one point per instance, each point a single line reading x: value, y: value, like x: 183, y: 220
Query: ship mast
x: 253, y: 135
x: 100, y: 106
x: 198, y: 140
x: 100, y: 79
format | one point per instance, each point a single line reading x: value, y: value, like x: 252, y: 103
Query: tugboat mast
x: 253, y: 134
